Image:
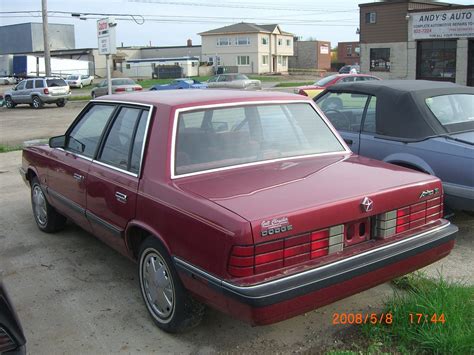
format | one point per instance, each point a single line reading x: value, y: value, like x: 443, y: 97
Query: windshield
x: 223, y: 137
x: 455, y: 112
x: 55, y: 82
x: 72, y: 77
x: 325, y: 80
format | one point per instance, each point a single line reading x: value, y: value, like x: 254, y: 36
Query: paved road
x: 74, y: 294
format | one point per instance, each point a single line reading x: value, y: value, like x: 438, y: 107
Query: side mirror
x: 57, y: 142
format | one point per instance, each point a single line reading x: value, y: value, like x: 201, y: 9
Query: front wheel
x: 37, y: 103
x: 166, y: 299
x: 61, y: 103
x: 46, y: 217
x: 9, y: 102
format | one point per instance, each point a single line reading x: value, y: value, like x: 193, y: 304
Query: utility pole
x: 47, y: 54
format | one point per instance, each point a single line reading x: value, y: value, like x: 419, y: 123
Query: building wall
x: 307, y: 55
x: 16, y: 39
x: 171, y: 52
x: 344, y: 57
x: 390, y: 23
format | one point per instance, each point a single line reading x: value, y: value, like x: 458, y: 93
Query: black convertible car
x: 12, y: 340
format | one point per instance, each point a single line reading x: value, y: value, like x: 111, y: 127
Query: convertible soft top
x: 400, y: 103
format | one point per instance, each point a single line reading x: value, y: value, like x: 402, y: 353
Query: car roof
x: 175, y: 98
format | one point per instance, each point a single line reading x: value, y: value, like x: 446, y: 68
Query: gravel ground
x: 76, y: 295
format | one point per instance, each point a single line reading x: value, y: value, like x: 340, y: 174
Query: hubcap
x: 36, y: 103
x: 157, y: 285
x: 39, y: 206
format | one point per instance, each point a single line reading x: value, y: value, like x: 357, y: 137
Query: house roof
x: 244, y: 27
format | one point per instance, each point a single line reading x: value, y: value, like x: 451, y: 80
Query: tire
x: 170, y: 306
x: 61, y: 103
x: 37, y: 103
x: 93, y: 95
x: 46, y: 217
x: 9, y: 102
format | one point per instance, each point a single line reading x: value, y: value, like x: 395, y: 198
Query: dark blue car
x: 422, y: 125
x: 184, y: 83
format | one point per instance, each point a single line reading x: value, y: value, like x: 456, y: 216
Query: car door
x: 19, y: 92
x: 101, y: 89
x: 67, y: 174
x: 345, y: 111
x: 113, y: 178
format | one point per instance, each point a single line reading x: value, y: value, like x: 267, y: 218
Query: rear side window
x: 39, y: 84
x: 55, y: 82
x: 85, y: 135
x: 29, y: 84
x: 122, y: 147
x: 344, y: 110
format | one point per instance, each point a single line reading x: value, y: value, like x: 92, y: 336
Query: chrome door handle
x: 121, y: 197
x: 78, y: 177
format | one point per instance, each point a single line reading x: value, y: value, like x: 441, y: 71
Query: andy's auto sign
x: 442, y: 24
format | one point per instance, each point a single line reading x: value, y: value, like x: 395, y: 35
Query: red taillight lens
x: 137, y: 88
x: 46, y: 91
x: 406, y: 218
x: 263, y: 257
x: 302, y: 92
x: 119, y: 89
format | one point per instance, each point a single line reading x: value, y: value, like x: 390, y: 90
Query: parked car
x: 38, y: 91
x: 119, y: 86
x: 12, y: 339
x: 350, y: 69
x: 247, y: 201
x: 7, y: 80
x: 423, y: 125
x: 319, y: 86
x: 234, y: 81
x: 185, y: 83
x: 79, y: 81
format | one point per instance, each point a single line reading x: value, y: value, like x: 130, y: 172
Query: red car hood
x: 322, y: 191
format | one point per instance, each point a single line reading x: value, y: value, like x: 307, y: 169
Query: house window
x: 264, y: 59
x: 224, y: 41
x: 127, y: 66
x: 357, y: 51
x: 264, y: 41
x: 283, y: 61
x: 279, y: 59
x: 210, y: 60
x: 242, y: 41
x: 288, y: 42
x: 371, y: 17
x: 380, y: 59
x: 349, y: 51
x: 243, y: 60
x: 436, y: 60
x: 280, y: 41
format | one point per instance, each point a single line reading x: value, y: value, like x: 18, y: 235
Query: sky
x: 172, y: 22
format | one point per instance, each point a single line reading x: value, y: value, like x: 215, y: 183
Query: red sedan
x: 313, y: 90
x: 249, y: 202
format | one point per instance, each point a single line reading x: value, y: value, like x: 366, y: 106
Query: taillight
x: 409, y: 217
x: 119, y: 89
x: 302, y: 92
x: 46, y: 91
x: 263, y: 257
x: 137, y: 88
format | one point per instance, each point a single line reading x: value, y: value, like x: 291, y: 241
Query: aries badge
x: 367, y: 204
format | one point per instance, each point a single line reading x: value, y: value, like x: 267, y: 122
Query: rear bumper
x: 285, y: 297
x: 55, y: 98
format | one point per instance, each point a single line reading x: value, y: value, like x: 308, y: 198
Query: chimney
x: 189, y: 42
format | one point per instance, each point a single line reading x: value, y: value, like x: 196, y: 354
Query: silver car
x: 119, y: 86
x: 38, y: 91
x: 79, y: 81
x: 234, y: 81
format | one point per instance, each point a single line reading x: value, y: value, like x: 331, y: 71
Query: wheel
x: 93, y: 95
x: 9, y: 102
x: 61, y: 103
x: 37, y: 103
x: 166, y: 299
x: 46, y: 217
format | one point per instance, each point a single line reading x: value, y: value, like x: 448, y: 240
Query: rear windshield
x: 455, y: 112
x: 72, y: 77
x: 55, y: 82
x: 223, y: 137
x: 325, y: 80
x: 117, y: 82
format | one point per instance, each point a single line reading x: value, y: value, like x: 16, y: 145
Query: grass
x: 5, y: 148
x: 418, y: 294
x: 80, y: 97
x: 291, y: 84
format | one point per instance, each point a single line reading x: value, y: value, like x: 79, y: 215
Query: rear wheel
x: 46, y: 217
x: 37, y: 103
x: 9, y: 102
x: 166, y: 299
x: 93, y: 95
x: 61, y: 103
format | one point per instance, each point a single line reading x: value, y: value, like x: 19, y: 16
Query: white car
x: 7, y: 80
x: 234, y: 81
x: 78, y: 81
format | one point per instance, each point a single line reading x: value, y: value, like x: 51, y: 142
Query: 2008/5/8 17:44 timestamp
x: 421, y: 318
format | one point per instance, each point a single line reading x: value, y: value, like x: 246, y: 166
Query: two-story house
x: 249, y: 47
